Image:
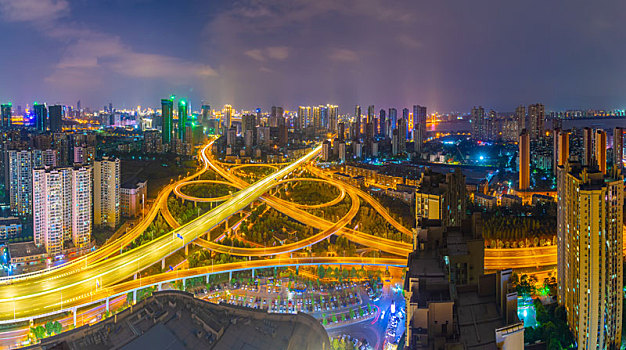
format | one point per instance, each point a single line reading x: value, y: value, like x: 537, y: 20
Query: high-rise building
x: 600, y: 150
x: 56, y: 118
x: 589, y: 254
x: 618, y: 147
x: 304, y: 117
x: 20, y: 181
x: 441, y: 197
x: 41, y: 116
x: 419, y: 126
x: 333, y: 117
x: 227, y: 113
x: 277, y: 113
x: 478, y: 122
x: 167, y: 114
x: 182, y: 119
x: 524, y: 160
x: 106, y: 193
x: 5, y: 121
x: 61, y: 207
x: 370, y: 114
x: 536, y: 116
x: 205, y: 114
x: 588, y: 150
x: 382, y: 119
x: 248, y: 122
x: 357, y: 119
x: 520, y: 117
x: 561, y: 148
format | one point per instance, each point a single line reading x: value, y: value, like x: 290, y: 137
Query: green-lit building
x: 167, y: 113
x: 182, y: 118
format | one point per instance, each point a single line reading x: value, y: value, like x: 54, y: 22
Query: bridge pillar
x: 187, y: 250
x: 184, y: 283
x: 230, y: 276
x: 163, y: 264
x: 74, y: 311
x: 207, y: 278
x: 252, y: 273
x: 159, y: 287
x: 107, y: 304
x: 135, y: 296
x: 135, y: 276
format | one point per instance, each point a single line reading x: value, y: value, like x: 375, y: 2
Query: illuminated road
x: 26, y: 299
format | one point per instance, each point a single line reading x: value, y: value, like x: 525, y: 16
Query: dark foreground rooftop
x: 174, y: 320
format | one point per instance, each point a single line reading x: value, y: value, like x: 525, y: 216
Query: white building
x: 107, y: 192
x: 61, y: 207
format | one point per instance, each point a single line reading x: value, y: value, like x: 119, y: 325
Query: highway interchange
x: 104, y: 273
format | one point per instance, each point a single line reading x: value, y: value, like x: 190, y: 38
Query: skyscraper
x: 404, y: 130
x: 560, y: 148
x: 536, y: 116
x: 41, y: 116
x: 205, y: 113
x: 304, y: 117
x: 277, y: 113
x: 393, y: 116
x: 81, y: 205
x: 227, y: 113
x: 618, y: 147
x: 478, y: 122
x: 600, y: 150
x: 524, y: 160
x: 370, y: 114
x: 20, y: 181
x: 520, y: 116
x: 588, y: 151
x: 357, y: 117
x: 382, y: 119
x: 56, y: 118
x: 589, y: 254
x: 167, y: 113
x: 5, y: 122
x: 182, y: 119
x: 333, y: 117
x: 419, y: 126
x: 106, y: 193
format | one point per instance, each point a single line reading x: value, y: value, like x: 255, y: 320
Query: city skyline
x: 447, y: 57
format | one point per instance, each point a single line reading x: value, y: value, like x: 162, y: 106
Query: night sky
x: 447, y: 55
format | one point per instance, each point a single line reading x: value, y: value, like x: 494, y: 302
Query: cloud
x: 408, y: 41
x: 278, y: 52
x: 343, y: 55
x: 273, y: 52
x: 37, y: 11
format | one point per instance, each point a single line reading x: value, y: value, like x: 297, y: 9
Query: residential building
x: 107, y: 192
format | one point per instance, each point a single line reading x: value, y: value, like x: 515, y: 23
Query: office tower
x: 263, y: 136
x: 167, y: 115
x: 324, y: 117
x: 106, y: 192
x: 182, y: 119
x: 524, y: 160
x: 587, y: 147
x: 618, y: 147
x: 111, y: 108
x: 478, y: 122
x: 395, y: 142
x: 600, y: 150
x: 419, y: 127
x: 205, y: 113
x: 536, y: 116
x: 227, y: 113
x: 41, y: 117
x: 520, y: 117
x: 6, y: 115
x: 393, y: 117
x: 342, y: 152
x: 333, y: 117
x: 231, y: 136
x: 277, y: 113
x: 248, y: 122
x: 370, y: 114
x: 405, y: 117
x: 20, y: 173
x: 357, y: 118
x: 283, y: 132
x: 561, y: 148
x: 589, y: 254
x: 369, y: 136
x: 56, y: 118
x: 382, y: 119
